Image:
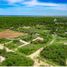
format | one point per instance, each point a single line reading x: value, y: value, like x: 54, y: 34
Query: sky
x: 34, y: 7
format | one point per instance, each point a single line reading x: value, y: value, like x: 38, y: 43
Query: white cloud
x: 14, y: 1
x: 62, y: 7
x: 36, y: 3
x: 31, y: 3
x: 54, y: 6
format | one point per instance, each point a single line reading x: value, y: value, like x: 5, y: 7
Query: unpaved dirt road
x: 37, y: 61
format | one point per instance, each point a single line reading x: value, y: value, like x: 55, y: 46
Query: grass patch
x: 3, y: 40
x: 13, y: 44
x: 31, y: 48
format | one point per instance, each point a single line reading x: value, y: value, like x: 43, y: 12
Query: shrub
x: 55, y: 53
x: 16, y: 59
x: 31, y: 48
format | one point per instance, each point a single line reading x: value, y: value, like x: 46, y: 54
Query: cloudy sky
x: 34, y: 7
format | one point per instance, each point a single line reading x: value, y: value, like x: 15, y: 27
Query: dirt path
x: 33, y: 56
x: 2, y: 59
x: 24, y: 43
x: 37, y: 61
x: 9, y: 42
x: 2, y: 46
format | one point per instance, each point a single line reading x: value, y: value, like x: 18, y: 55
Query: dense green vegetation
x: 58, y: 26
x: 14, y: 44
x: 31, y: 48
x: 55, y: 53
x: 2, y: 52
x: 16, y: 59
x: 3, y: 40
x: 61, y: 40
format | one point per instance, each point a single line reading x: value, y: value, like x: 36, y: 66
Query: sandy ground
x: 24, y: 43
x: 9, y: 34
x: 37, y: 61
x: 1, y: 46
x: 2, y: 59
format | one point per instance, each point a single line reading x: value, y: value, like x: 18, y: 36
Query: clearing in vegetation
x: 9, y: 34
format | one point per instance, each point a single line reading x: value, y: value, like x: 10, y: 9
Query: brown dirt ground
x: 10, y: 34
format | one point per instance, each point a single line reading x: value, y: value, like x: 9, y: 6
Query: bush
x: 55, y: 53
x: 14, y: 44
x: 3, y: 40
x: 28, y: 49
x: 16, y: 59
x: 2, y: 52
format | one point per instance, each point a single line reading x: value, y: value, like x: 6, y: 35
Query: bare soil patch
x: 10, y: 34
